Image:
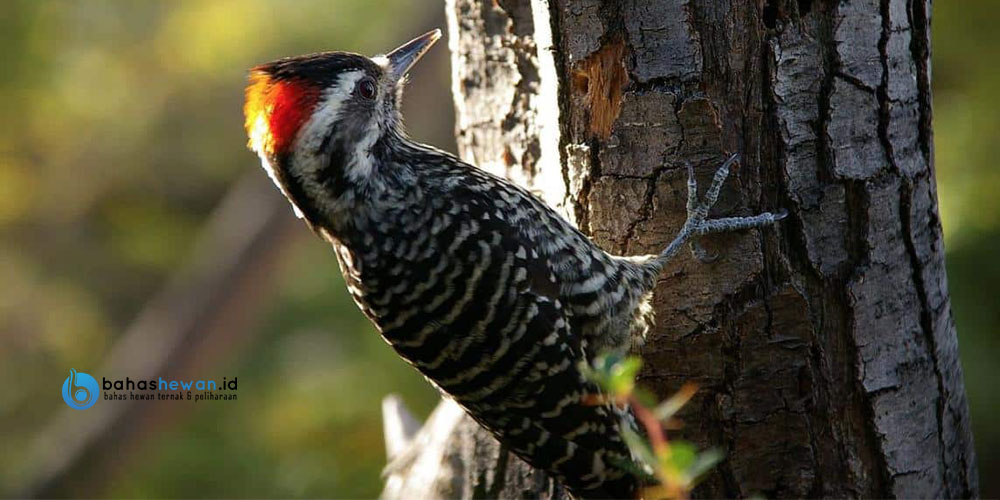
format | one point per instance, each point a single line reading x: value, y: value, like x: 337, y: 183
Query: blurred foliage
x: 122, y: 129
x: 672, y: 467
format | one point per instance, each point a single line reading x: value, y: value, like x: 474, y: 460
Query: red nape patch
x: 275, y: 110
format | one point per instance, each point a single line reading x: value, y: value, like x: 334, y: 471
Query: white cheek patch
x: 308, y: 140
x: 314, y: 131
x: 361, y: 163
x: 309, y: 157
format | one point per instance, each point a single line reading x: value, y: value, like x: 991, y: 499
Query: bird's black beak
x: 404, y: 57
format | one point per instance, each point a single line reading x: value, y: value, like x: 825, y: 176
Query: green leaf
x: 629, y: 367
x: 623, y: 376
x: 682, y: 456
x: 644, y: 397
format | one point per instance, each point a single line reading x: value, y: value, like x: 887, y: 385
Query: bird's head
x: 316, y: 120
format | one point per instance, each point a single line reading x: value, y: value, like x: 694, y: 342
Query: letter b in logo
x: 80, y: 390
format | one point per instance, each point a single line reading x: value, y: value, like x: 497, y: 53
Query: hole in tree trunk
x: 770, y: 14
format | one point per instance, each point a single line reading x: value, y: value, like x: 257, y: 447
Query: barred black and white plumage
x: 488, y: 292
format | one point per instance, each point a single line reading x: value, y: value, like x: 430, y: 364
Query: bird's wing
x: 534, y: 396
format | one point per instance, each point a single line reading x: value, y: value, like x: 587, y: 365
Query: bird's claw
x: 698, y: 223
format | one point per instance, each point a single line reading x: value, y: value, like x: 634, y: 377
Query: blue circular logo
x: 80, y: 390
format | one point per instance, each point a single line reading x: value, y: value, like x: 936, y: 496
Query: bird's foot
x: 698, y: 223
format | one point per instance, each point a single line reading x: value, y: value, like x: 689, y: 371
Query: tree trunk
x: 825, y: 350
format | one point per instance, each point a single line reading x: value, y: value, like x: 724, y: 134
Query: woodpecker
x: 488, y: 292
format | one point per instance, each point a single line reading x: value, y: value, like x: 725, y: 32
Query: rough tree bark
x: 825, y: 350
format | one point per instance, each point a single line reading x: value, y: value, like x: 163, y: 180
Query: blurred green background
x: 121, y: 132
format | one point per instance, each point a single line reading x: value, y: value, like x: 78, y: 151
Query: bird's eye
x: 366, y: 88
